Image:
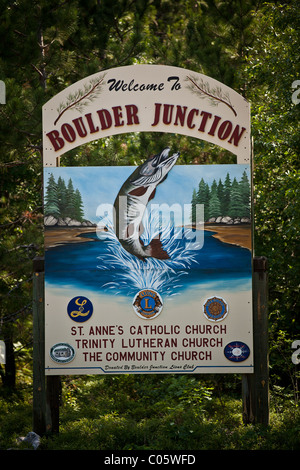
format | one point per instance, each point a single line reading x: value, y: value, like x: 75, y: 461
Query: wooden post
x: 39, y: 386
x: 256, y: 385
x: 53, y: 402
x: 46, y: 392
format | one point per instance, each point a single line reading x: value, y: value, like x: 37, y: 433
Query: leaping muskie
x: 132, y: 200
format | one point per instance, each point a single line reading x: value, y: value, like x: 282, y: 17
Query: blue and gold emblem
x: 215, y: 309
x: 80, y: 309
x: 147, y: 304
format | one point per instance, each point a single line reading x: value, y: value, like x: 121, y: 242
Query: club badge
x: 236, y: 351
x: 147, y: 304
x: 215, y: 309
x: 80, y: 309
x: 62, y: 353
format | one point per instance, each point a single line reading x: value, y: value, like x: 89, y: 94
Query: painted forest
x: 253, y: 47
x: 63, y: 200
x: 223, y: 199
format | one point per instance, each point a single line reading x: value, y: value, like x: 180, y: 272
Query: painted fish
x: 132, y: 200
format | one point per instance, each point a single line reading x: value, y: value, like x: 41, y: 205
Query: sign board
x: 146, y: 98
x: 148, y: 269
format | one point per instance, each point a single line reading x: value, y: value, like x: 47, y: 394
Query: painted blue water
x: 103, y: 266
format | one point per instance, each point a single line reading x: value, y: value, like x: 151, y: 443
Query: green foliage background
x: 252, y: 46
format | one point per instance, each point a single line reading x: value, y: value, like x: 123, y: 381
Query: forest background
x: 249, y: 45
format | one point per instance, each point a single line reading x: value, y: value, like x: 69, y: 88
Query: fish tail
x: 155, y: 249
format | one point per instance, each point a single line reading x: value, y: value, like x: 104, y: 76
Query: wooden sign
x: 148, y: 269
x: 146, y: 98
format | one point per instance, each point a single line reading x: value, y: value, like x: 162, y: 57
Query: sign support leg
x: 46, y: 391
x: 256, y: 385
x: 39, y: 385
x: 53, y: 402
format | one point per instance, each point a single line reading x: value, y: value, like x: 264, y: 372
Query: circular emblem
x: 236, y: 351
x: 80, y: 309
x: 215, y: 309
x: 147, y: 304
x: 62, y: 353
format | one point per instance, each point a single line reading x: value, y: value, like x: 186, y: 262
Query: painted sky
x: 100, y: 185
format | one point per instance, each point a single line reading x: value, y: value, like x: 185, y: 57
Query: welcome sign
x: 148, y: 269
x: 146, y: 98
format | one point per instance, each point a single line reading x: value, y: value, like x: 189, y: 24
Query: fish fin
x: 140, y: 191
x: 152, y: 194
x: 129, y: 231
x: 141, y: 229
x: 156, y: 250
x: 131, y: 228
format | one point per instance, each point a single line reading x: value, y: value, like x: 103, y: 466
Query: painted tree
x: 203, y: 197
x: 224, y: 198
x: 236, y: 206
x: 244, y: 185
x: 63, y: 201
x: 225, y: 202
x: 220, y: 192
x: 62, y: 196
x: 78, y: 206
x: 70, y: 200
x: 214, y: 202
x: 51, y: 198
x: 193, y: 207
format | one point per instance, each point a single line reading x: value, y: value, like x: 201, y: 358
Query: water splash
x: 133, y: 274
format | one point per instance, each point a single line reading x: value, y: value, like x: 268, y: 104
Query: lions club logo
x: 147, y: 304
x: 215, y: 309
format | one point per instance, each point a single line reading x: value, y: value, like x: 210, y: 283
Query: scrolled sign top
x: 146, y: 98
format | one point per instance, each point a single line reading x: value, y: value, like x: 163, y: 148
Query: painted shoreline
x: 239, y: 234
x: 56, y: 236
